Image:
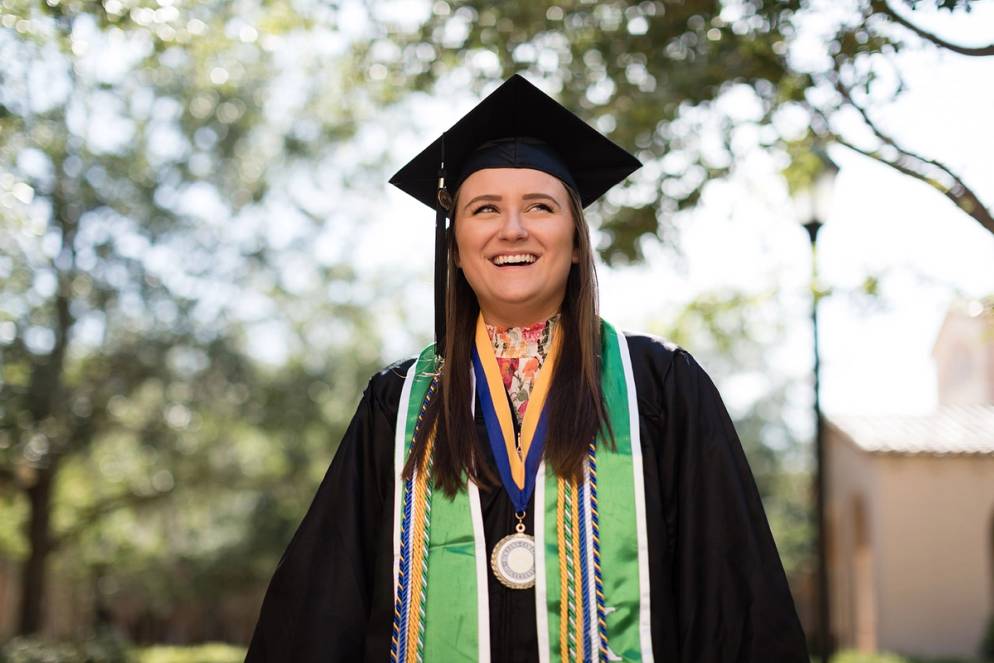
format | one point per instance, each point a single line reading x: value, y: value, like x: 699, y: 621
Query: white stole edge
x: 541, y: 588
x: 400, y: 437
x: 480, y: 552
x: 593, y: 635
x: 645, y: 632
x: 482, y: 595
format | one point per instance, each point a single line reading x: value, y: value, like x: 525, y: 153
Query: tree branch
x: 97, y: 511
x: 930, y: 171
x: 975, y: 51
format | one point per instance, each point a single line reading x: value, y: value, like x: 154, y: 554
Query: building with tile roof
x: 911, y: 508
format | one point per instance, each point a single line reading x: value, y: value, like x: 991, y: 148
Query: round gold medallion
x: 513, y: 561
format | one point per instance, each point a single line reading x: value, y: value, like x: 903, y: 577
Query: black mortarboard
x: 516, y: 126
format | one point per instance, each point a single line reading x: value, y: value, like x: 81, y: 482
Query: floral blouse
x: 520, y: 353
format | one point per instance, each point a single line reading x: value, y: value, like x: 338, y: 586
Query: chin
x: 516, y: 299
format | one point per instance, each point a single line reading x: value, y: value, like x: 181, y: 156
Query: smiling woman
x: 515, y: 242
x: 535, y: 485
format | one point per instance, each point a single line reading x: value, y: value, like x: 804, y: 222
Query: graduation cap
x: 516, y: 126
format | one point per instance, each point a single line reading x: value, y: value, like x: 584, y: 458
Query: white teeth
x: 520, y: 258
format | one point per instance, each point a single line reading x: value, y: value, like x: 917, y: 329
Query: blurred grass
x: 212, y: 652
x: 859, y: 657
x: 104, y: 649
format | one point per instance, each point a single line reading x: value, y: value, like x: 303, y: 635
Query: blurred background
x: 201, y: 264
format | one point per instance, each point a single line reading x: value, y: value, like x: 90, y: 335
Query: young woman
x: 536, y: 485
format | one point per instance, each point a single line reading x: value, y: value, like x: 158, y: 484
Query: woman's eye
x: 492, y: 209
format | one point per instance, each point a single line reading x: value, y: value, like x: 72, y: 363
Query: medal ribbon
x: 517, y: 472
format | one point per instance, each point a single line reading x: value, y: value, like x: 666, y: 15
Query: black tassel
x: 441, y: 260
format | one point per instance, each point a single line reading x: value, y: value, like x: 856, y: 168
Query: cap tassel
x: 441, y: 260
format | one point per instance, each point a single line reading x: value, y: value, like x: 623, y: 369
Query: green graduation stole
x: 591, y: 571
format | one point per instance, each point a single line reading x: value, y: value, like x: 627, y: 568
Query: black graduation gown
x: 718, y: 589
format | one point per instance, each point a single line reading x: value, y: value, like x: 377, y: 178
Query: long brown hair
x: 575, y: 404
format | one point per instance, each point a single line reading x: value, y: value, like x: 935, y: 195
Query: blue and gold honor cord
x: 415, y: 527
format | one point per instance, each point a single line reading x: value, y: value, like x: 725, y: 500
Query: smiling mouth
x: 514, y: 260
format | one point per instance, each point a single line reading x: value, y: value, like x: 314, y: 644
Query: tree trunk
x: 47, y: 389
x: 39, y: 538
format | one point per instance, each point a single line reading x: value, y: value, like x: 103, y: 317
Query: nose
x: 512, y: 229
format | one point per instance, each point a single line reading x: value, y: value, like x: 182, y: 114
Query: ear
x: 576, y: 256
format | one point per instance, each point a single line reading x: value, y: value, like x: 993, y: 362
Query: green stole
x: 596, y: 560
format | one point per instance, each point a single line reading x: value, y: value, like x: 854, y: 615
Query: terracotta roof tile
x: 951, y: 429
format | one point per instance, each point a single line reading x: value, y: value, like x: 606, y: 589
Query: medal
x: 517, y: 457
x: 513, y: 558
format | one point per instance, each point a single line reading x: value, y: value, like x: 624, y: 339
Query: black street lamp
x: 813, y: 204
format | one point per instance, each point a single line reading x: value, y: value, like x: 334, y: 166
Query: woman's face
x: 514, y: 242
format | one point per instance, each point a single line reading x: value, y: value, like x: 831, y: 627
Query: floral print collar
x: 520, y: 353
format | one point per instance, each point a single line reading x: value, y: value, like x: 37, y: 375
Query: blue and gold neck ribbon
x: 517, y: 468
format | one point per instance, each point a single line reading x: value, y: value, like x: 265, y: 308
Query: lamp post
x: 813, y: 205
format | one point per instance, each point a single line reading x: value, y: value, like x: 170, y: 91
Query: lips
x: 514, y: 259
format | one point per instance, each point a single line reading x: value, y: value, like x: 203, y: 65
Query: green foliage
x: 859, y: 657
x: 788, y: 509
x: 109, y: 649
x: 100, y: 649
x: 13, y: 508
x: 851, y: 656
x: 206, y: 653
x: 659, y: 78
x: 730, y: 333
x: 646, y: 73
x: 805, y: 163
x: 140, y: 168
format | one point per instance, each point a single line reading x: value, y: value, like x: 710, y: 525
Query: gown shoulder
x: 724, y: 587
x: 385, y: 386
x: 334, y: 578
x: 656, y: 364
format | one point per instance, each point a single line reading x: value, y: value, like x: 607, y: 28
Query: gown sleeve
x: 732, y: 598
x: 318, y: 604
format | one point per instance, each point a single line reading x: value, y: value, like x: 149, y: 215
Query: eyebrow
x: 488, y: 197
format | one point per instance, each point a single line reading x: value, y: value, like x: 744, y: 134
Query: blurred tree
x: 731, y: 334
x: 865, y: 76
x: 157, y: 222
x: 690, y: 84
x: 144, y: 147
